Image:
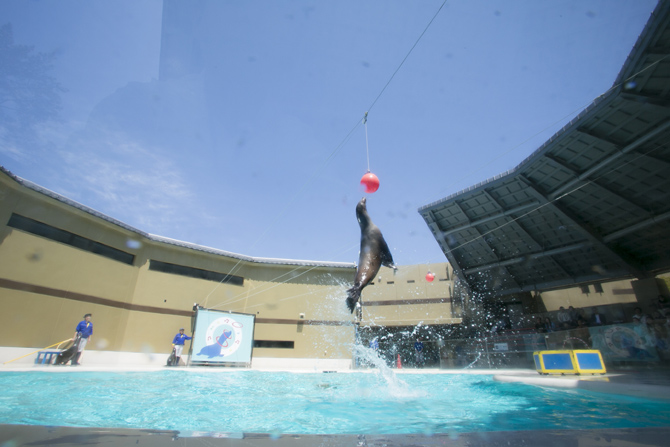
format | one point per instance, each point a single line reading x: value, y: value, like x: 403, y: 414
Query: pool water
x: 304, y: 403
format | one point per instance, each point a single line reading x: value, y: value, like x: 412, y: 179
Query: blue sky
x: 256, y: 145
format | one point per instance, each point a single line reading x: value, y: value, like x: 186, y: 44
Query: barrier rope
x: 31, y: 353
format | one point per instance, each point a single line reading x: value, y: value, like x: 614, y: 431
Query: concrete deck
x: 641, y: 383
x: 24, y: 435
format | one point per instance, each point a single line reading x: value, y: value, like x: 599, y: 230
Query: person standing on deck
x: 178, y: 343
x: 84, y: 331
x: 418, y: 349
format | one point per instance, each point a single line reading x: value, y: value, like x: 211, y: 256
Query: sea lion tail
x: 353, y: 295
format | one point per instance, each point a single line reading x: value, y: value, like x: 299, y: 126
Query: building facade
x: 60, y: 260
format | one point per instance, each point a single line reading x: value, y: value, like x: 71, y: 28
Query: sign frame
x: 222, y: 338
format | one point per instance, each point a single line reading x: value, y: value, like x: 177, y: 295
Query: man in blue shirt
x: 84, y: 331
x: 418, y: 348
x: 178, y: 343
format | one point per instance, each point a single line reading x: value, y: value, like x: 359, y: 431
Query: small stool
x: 46, y: 357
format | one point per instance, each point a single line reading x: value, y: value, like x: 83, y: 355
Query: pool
x: 310, y: 403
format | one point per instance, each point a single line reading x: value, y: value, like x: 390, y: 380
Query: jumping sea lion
x: 374, y: 253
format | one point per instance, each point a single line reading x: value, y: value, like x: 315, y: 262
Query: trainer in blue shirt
x: 418, y: 348
x: 84, y: 331
x: 178, y: 343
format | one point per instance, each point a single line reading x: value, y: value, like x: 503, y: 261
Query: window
x: 275, y: 344
x: 65, y: 237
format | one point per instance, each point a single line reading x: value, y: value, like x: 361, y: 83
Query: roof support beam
x: 429, y: 217
x: 638, y: 226
x: 484, y: 220
x: 589, y: 172
x: 536, y: 255
x: 644, y: 99
x: 517, y: 222
x: 484, y: 239
x: 549, y: 285
x: 595, y: 182
x: 520, y: 227
x: 474, y: 228
x: 630, y: 265
x: 657, y: 52
x: 659, y: 161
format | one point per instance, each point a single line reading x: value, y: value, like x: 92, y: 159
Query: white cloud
x: 126, y: 180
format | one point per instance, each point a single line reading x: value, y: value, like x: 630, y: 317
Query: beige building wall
x: 615, y: 292
x: 406, y: 298
x: 46, y: 286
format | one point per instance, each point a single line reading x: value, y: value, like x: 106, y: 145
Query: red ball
x: 370, y: 182
x: 430, y: 276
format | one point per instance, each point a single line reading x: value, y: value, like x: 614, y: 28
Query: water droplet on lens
x: 132, y: 243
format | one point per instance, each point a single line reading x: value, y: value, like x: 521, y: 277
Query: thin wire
x: 576, y: 110
x: 406, y: 56
x: 235, y: 268
x: 341, y: 144
x: 541, y: 131
x: 245, y: 295
x: 617, y: 167
x: 348, y: 136
x: 367, y: 147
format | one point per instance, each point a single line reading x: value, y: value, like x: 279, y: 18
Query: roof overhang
x: 591, y: 205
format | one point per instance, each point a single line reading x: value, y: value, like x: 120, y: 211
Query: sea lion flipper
x: 353, y: 295
x: 386, y: 256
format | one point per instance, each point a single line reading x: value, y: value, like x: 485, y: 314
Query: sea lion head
x: 362, y: 213
x: 361, y: 205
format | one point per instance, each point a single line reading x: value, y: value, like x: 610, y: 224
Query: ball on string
x: 430, y: 276
x: 370, y: 182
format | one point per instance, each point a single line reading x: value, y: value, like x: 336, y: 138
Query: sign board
x: 626, y: 342
x: 222, y: 338
x: 500, y: 347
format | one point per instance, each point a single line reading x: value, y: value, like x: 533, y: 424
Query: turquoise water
x: 319, y: 403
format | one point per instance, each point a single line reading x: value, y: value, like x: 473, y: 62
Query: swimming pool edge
x: 609, y: 383
x: 20, y: 435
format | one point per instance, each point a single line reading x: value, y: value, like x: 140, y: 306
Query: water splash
x: 396, y: 387
x: 479, y: 354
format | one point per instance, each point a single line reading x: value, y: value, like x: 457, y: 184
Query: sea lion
x: 65, y: 356
x: 374, y: 253
x: 172, y: 360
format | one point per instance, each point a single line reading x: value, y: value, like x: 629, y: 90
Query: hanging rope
x: 336, y: 149
x: 30, y: 353
x: 344, y: 141
x: 367, y: 147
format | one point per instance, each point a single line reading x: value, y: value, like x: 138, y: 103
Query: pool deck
x: 641, y: 382
x: 637, y: 383
x: 25, y: 435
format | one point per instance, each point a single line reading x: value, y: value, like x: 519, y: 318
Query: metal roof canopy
x: 591, y: 205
